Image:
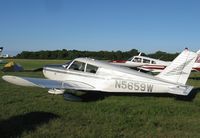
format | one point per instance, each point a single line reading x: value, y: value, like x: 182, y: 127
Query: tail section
x: 179, y: 70
x: 198, y: 57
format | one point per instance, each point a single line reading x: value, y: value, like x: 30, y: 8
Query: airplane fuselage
x: 86, y: 74
x: 113, y: 80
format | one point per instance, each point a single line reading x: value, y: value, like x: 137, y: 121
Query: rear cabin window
x: 79, y: 66
x: 91, y: 68
x: 146, y: 61
x: 137, y: 60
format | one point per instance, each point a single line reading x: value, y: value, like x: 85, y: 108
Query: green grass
x: 32, y: 112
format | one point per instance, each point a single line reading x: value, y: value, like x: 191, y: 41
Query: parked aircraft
x: 148, y: 64
x: 90, y: 75
x: 1, y: 49
x: 1, y: 55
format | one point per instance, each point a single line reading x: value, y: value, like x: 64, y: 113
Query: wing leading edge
x: 46, y: 83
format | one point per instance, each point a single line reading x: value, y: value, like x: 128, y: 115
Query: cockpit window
x: 80, y: 66
x: 146, y: 61
x: 153, y: 62
x: 137, y: 59
x: 91, y: 68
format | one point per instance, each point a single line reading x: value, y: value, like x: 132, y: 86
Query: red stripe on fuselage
x: 159, y: 67
x: 118, y: 61
x: 197, y: 69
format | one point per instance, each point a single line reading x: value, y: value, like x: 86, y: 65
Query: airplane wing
x: 46, y: 83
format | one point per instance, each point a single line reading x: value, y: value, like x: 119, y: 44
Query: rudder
x: 179, y: 70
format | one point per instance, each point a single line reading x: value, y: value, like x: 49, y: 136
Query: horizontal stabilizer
x: 180, y: 90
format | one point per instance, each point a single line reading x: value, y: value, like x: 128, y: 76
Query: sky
x: 146, y: 25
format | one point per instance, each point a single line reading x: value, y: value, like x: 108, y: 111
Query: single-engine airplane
x: 147, y: 64
x: 89, y: 75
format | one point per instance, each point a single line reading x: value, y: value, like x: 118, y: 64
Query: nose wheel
x: 56, y: 91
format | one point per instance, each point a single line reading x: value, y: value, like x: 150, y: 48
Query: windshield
x: 130, y: 59
x: 67, y: 64
x: 77, y: 65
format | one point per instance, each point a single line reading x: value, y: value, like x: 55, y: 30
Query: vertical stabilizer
x: 179, y: 70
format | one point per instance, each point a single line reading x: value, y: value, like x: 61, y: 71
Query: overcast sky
x: 146, y: 25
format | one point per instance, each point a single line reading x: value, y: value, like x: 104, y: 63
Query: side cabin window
x: 137, y: 59
x: 153, y: 62
x: 146, y: 61
x: 91, y: 68
x: 76, y: 65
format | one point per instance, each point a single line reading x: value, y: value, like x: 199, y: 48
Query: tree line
x: 102, y: 55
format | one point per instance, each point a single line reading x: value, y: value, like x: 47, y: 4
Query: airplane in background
x: 148, y: 64
x: 1, y: 55
x: 1, y: 49
x: 90, y: 75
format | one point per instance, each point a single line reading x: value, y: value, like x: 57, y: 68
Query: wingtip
x: 6, y: 77
x: 17, y: 80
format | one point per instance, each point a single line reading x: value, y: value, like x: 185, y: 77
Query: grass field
x: 32, y: 112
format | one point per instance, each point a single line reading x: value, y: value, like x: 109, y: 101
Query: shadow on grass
x: 194, y: 78
x: 15, y: 126
x: 94, y: 96
x: 89, y: 97
x: 86, y: 97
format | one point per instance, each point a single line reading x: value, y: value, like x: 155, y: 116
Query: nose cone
x: 51, y: 71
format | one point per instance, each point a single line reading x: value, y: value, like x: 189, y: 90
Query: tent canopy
x: 12, y: 66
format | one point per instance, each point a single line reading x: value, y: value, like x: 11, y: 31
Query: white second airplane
x: 148, y: 64
x: 1, y: 49
x: 85, y: 74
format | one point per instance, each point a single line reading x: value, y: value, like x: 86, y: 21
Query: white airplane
x: 2, y: 61
x: 148, y: 64
x: 1, y: 55
x: 1, y: 49
x: 89, y: 75
x: 142, y: 63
